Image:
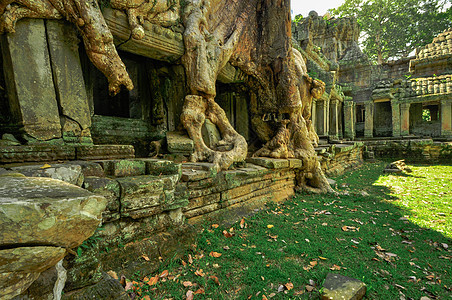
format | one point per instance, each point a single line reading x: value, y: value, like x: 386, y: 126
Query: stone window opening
x: 360, y: 113
x: 430, y: 113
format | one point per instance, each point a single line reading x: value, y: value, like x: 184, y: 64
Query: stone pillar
x: 404, y: 119
x: 314, y: 114
x: 29, y: 81
x: 349, y: 119
x: 446, y: 118
x: 323, y: 118
x: 69, y: 82
x: 369, y: 119
x: 334, y: 118
x: 395, y: 118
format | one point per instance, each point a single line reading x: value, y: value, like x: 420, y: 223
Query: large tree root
x: 87, y: 17
x: 195, y: 111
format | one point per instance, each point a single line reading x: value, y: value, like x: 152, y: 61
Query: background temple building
x: 411, y: 96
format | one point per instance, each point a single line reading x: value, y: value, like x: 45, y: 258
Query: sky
x: 320, y: 6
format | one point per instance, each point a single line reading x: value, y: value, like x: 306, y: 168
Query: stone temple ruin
x: 133, y: 121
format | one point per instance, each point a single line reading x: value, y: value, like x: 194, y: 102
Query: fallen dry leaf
x: 215, y: 225
x: 151, y: 281
x: 129, y: 286
x: 147, y: 297
x: 113, y: 274
x: 227, y: 234
x: 270, y: 226
x: 335, y: 268
x: 242, y: 223
x: 189, y: 295
x: 309, y: 288
x: 313, y: 263
x: 200, y: 273
x: 187, y: 283
x: 289, y: 286
x: 322, y: 258
x: 200, y: 291
x: 264, y: 297
x: 215, y: 278
x: 45, y: 166
x: 190, y: 259
x: 183, y: 263
x: 215, y: 254
x: 146, y: 258
x: 164, y: 274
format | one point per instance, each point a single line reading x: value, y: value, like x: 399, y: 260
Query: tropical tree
x: 393, y: 28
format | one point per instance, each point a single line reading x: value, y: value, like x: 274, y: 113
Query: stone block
x: 337, y: 286
x: 89, y: 168
x: 194, y: 175
x: 210, y: 134
x: 203, y: 201
x: 270, y: 163
x: 29, y: 82
x: 67, y: 72
x: 123, y: 168
x: 35, y: 153
x: 161, y: 167
x: 15, y: 283
x: 30, y: 259
x: 71, y: 213
x: 109, y: 189
x: 93, y: 152
x: 147, y: 195
x: 295, y: 163
x: 66, y: 172
x: 179, y: 143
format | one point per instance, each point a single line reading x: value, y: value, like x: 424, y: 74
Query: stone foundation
x: 413, y: 150
x: 152, y: 204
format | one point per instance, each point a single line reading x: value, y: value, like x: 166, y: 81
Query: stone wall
x: 413, y: 150
x: 336, y: 159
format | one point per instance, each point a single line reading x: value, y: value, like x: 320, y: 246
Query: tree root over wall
x: 252, y: 35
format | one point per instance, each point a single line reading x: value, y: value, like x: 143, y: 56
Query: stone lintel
x: 158, y: 43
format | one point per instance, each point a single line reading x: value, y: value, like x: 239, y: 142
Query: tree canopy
x: 393, y: 28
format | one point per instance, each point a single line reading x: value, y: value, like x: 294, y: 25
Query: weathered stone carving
x: 88, y: 19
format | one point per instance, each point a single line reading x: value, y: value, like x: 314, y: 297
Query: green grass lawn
x: 393, y: 232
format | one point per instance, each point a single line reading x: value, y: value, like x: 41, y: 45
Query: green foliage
x: 298, y: 18
x: 90, y: 243
x: 426, y: 117
x: 393, y: 28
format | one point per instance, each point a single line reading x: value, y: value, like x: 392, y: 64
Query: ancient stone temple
x: 420, y: 102
x: 408, y: 97
x: 132, y: 121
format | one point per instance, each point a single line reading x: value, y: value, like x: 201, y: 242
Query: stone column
x: 349, y: 119
x: 334, y: 124
x: 395, y: 118
x: 369, y: 119
x: 314, y: 114
x: 446, y: 118
x: 404, y: 119
x: 321, y: 118
x: 29, y: 81
x: 69, y: 82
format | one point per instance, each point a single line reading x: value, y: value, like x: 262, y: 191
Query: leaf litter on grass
x: 389, y: 252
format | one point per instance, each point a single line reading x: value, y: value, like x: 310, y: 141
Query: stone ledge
x: 272, y: 163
